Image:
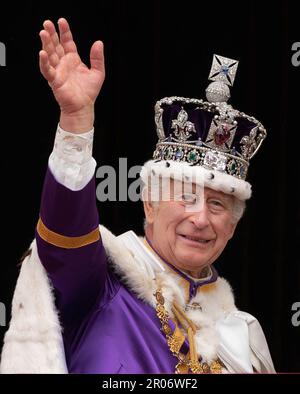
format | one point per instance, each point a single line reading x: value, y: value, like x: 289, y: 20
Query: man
x: 126, y: 304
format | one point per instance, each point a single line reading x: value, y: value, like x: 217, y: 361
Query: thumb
x: 97, y: 57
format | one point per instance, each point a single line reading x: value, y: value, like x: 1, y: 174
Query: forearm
x: 67, y: 212
x: 68, y: 239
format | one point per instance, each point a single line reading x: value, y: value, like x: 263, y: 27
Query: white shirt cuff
x: 71, y: 161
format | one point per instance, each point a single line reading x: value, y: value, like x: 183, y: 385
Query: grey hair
x: 238, y: 209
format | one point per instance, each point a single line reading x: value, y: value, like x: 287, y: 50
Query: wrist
x: 77, y: 122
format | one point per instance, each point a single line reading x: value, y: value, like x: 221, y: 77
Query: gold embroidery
x: 187, y: 363
x: 166, y: 329
x: 66, y: 242
x: 208, y: 287
x: 176, y: 340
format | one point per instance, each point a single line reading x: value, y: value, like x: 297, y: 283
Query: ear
x: 149, y: 211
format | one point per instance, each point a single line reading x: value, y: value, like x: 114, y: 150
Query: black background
x: 155, y: 49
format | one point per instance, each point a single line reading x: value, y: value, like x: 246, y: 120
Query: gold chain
x: 175, y: 341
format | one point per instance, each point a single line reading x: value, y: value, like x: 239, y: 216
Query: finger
x: 97, y: 56
x: 49, y: 48
x: 66, y: 38
x: 47, y: 70
x: 50, y: 28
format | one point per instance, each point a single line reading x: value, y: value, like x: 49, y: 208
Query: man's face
x: 191, y: 230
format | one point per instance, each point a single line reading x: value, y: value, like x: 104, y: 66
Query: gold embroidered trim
x: 187, y: 363
x: 66, y: 242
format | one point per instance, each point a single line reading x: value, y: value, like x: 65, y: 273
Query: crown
x: 210, y: 134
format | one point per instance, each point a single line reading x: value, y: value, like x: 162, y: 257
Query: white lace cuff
x: 71, y: 161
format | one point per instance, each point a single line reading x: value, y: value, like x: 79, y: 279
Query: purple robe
x: 106, y: 328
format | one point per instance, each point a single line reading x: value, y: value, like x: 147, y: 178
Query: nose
x: 200, y: 218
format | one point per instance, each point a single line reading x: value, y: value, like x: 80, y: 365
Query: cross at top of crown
x: 223, y: 69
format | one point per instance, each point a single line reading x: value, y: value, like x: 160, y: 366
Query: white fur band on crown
x: 184, y: 172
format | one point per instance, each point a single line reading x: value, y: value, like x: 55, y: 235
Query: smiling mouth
x: 196, y: 239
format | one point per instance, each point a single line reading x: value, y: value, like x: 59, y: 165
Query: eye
x: 216, y: 204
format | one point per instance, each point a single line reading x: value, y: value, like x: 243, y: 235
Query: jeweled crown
x: 209, y: 133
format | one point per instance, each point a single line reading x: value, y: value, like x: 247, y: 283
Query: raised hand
x: 74, y: 85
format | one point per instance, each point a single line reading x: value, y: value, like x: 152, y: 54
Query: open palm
x: 75, y: 86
